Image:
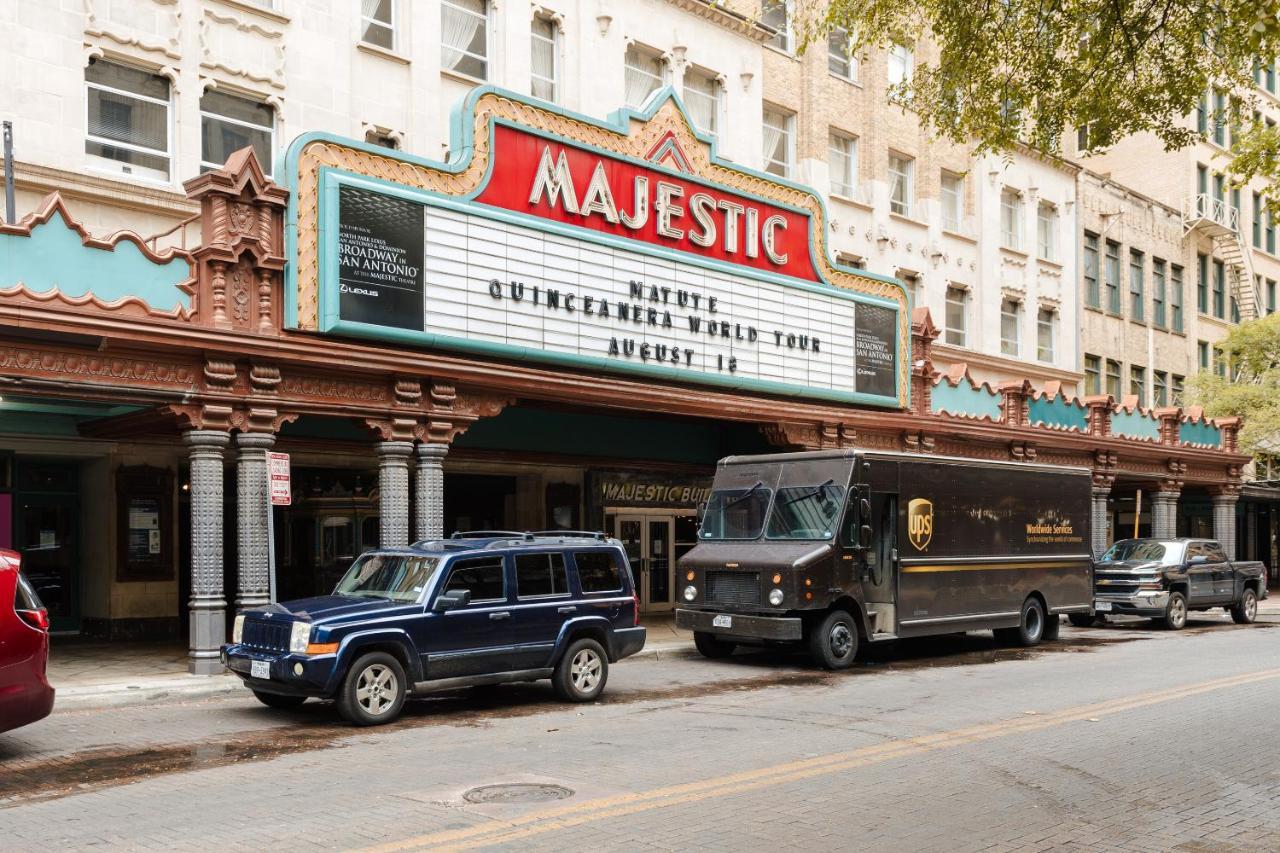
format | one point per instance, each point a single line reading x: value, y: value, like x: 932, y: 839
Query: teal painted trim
x: 1200, y: 432
x: 1134, y: 424
x: 55, y: 257
x: 966, y: 399
x: 1057, y: 413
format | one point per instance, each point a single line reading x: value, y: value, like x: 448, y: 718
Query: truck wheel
x: 276, y: 700
x: 833, y: 644
x: 1175, y: 613
x: 1052, y: 627
x: 582, y: 672
x: 1246, y: 609
x: 711, y: 646
x: 373, y: 691
x: 1081, y: 620
x: 1030, y: 630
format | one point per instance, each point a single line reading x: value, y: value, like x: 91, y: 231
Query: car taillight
x: 38, y: 619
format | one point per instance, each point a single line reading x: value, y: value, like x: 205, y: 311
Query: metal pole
x: 271, y: 540
x: 1137, y: 514
x: 10, y: 214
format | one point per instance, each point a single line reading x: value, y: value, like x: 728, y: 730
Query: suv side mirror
x: 452, y: 599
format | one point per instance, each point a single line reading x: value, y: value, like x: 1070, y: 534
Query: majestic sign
x: 595, y: 249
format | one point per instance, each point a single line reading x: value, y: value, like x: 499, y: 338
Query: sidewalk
x: 95, y: 674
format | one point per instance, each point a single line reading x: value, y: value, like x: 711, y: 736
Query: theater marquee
x: 620, y: 247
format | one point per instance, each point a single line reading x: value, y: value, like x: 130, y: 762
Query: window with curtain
x: 1046, y: 329
x: 952, y: 201
x: 378, y: 23
x: 645, y: 74
x: 464, y: 37
x: 544, y: 66
x: 1092, y: 290
x: 777, y: 15
x: 840, y: 61
x: 229, y: 123
x: 902, y: 190
x: 779, y: 142
x: 702, y: 98
x: 842, y: 161
x: 1011, y: 219
x: 1047, y: 231
x: 957, y: 303
x: 128, y: 120
x: 1010, y: 320
x: 901, y: 58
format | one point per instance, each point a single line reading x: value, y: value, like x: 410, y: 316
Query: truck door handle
x: 568, y: 609
x: 501, y: 615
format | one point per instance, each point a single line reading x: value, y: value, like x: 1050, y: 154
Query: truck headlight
x: 775, y: 597
x: 237, y: 630
x: 299, y: 637
x: 690, y: 593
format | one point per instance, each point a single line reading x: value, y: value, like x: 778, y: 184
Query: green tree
x: 1251, y: 388
x: 1010, y: 72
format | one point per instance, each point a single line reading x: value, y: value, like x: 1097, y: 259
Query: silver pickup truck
x: 1164, y: 579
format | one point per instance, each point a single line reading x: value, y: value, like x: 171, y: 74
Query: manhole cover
x: 519, y: 793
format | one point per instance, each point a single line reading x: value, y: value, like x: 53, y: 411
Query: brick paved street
x: 1115, y: 738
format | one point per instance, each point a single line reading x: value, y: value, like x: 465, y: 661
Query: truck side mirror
x: 452, y: 599
x: 864, y: 510
x: 864, y: 536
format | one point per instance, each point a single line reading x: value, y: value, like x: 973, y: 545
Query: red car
x: 25, y: 694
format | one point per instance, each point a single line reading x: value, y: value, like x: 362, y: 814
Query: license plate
x: 722, y: 622
x: 1102, y: 606
x: 260, y: 669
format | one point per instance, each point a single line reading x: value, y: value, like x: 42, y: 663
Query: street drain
x: 518, y: 793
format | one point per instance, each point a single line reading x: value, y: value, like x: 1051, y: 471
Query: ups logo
x: 920, y: 523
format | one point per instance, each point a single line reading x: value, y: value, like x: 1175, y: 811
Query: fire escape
x: 1215, y: 218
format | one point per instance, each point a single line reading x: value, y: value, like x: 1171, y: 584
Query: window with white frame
x: 957, y: 315
x: 544, y: 68
x: 842, y: 161
x: 229, y: 123
x: 378, y: 23
x: 901, y: 184
x: 777, y: 15
x: 129, y: 127
x: 645, y: 74
x: 464, y: 37
x: 702, y: 98
x: 952, y: 201
x: 1010, y: 320
x: 1046, y: 333
x: 901, y: 60
x: 840, y: 61
x: 1047, y: 231
x: 779, y: 141
x: 1011, y: 219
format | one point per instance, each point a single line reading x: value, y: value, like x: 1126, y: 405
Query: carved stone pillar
x: 207, y: 606
x: 1100, y: 517
x: 1224, y: 520
x: 429, y: 505
x: 253, y: 504
x: 393, y: 492
x: 1164, y: 514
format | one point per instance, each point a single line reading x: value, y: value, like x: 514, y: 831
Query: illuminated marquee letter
x: 599, y: 198
x: 731, y: 213
x: 640, y: 216
x: 667, y: 211
x: 769, y: 237
x: 555, y: 181
x: 701, y: 205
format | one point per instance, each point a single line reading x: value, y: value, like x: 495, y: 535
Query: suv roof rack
x: 573, y: 534
x: 485, y: 534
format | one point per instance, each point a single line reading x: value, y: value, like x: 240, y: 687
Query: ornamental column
x: 1224, y: 519
x: 207, y: 605
x: 1164, y: 514
x: 393, y: 492
x: 1099, y: 518
x: 253, y: 505
x: 429, y: 512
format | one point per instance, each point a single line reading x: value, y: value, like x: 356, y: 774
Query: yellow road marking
x: 621, y: 805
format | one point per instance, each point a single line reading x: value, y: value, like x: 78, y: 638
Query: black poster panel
x: 380, y: 257
x: 873, y: 350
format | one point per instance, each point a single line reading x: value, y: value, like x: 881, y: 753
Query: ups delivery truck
x: 836, y: 548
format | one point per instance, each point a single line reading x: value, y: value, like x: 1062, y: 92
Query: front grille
x: 1115, y: 584
x: 733, y: 588
x: 266, y: 635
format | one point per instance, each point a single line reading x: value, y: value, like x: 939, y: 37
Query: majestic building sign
x: 576, y: 244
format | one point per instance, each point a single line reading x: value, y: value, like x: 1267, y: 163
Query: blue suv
x: 479, y: 608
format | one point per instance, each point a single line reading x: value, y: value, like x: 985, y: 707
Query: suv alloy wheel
x: 582, y: 671
x: 373, y: 691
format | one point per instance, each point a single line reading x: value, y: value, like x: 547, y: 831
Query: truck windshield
x: 1145, y: 550
x: 735, y: 513
x: 806, y: 512
x: 396, y: 577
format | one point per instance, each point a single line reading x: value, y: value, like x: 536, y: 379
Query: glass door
x: 46, y: 538
x: 650, y: 546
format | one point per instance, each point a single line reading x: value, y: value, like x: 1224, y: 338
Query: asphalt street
x: 1120, y: 737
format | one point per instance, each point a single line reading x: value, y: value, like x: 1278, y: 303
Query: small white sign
x: 278, y: 474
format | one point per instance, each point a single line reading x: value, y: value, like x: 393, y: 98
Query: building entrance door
x: 650, y: 543
x: 46, y: 533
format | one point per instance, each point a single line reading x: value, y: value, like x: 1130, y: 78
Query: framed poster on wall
x: 144, y: 525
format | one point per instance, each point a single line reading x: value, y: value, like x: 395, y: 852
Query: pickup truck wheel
x: 1081, y: 620
x: 1246, y: 609
x: 276, y: 700
x: 833, y: 643
x: 582, y: 672
x: 1030, y: 630
x: 373, y: 691
x: 711, y: 646
x: 1175, y: 612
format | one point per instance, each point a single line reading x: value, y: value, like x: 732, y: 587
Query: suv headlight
x: 299, y: 637
x: 237, y: 630
x: 690, y: 593
x: 775, y: 597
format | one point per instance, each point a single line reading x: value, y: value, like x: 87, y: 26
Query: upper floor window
x: 464, y: 37
x: 842, y: 159
x: 645, y: 74
x: 840, y: 61
x: 1047, y: 231
x: 1202, y: 283
x: 1010, y: 320
x: 902, y: 189
x: 777, y: 15
x: 1176, y: 385
x: 129, y: 128
x: 1112, y: 276
x: 1160, y: 387
x: 1219, y: 289
x: 1092, y: 290
x: 1271, y: 296
x: 1175, y: 297
x: 1137, y: 289
x: 1113, y: 378
x: 1158, y: 292
x: 779, y: 141
x: 1138, y: 383
x: 952, y: 201
x: 544, y: 69
x: 1046, y: 332
x: 901, y: 59
x: 702, y: 97
x: 957, y: 305
x: 1092, y: 374
x: 1011, y: 219
x: 378, y: 23
x: 229, y: 123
